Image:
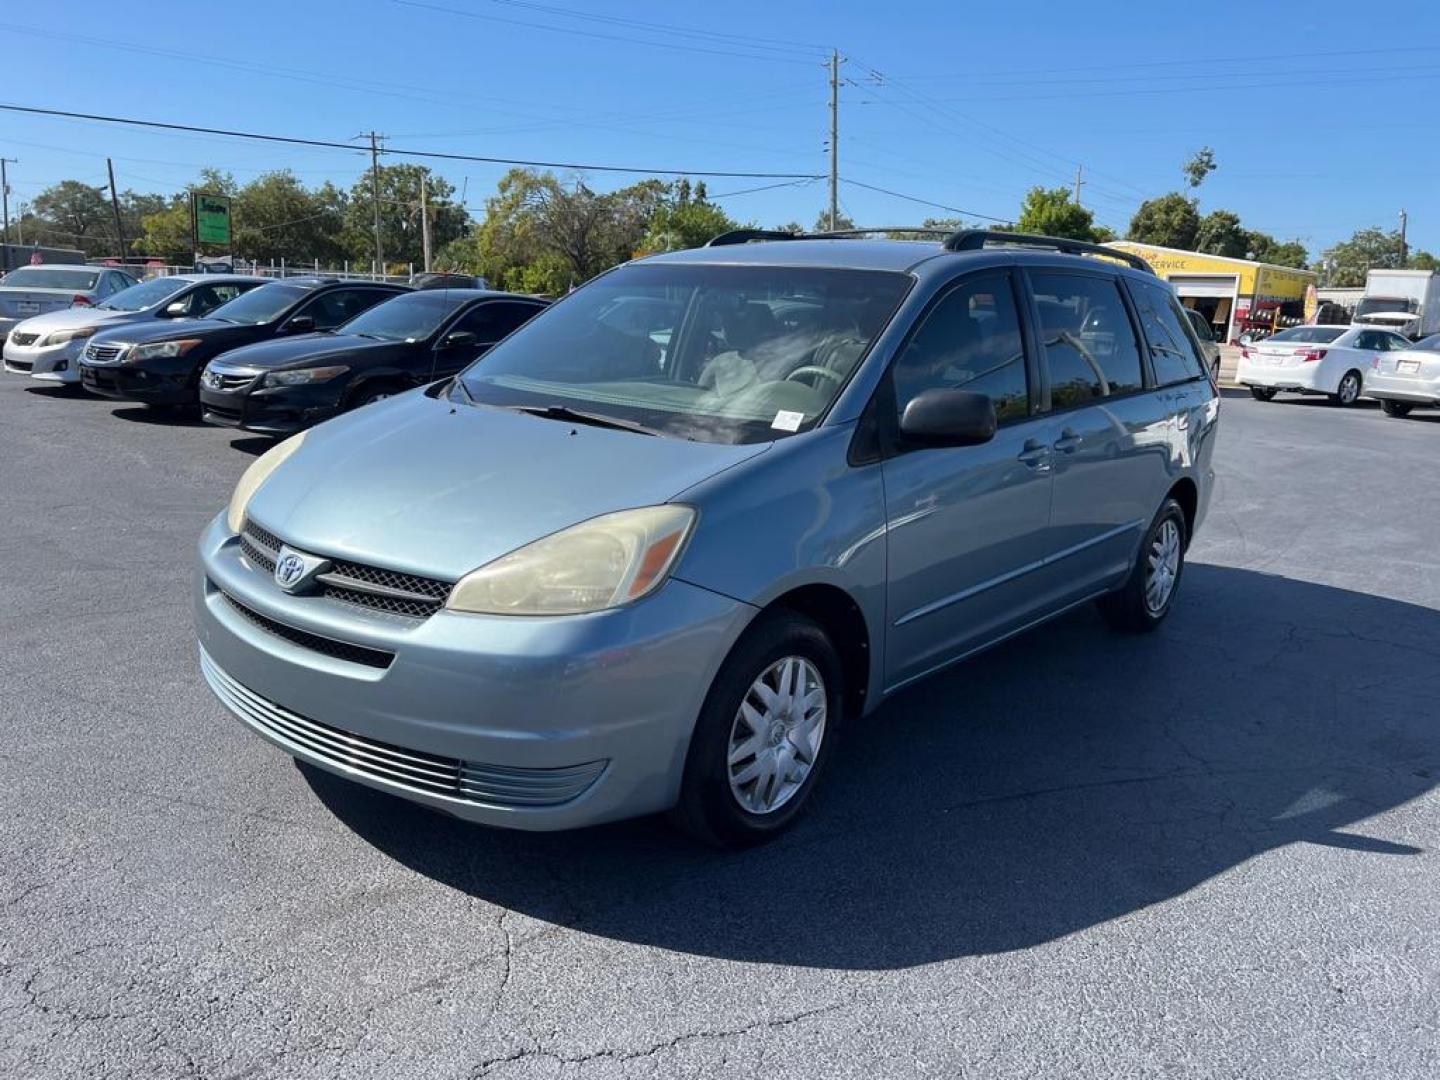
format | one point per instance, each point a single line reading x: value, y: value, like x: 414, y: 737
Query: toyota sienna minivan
x: 665, y: 542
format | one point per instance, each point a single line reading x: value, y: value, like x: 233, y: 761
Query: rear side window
x: 1173, y: 353
x: 969, y: 341
x: 1089, y: 342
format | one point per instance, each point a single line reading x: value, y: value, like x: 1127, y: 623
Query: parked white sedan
x: 1408, y: 379
x: 1329, y: 360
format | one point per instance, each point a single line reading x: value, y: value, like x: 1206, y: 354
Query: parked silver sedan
x: 28, y: 291
x: 613, y: 569
x: 1407, y: 379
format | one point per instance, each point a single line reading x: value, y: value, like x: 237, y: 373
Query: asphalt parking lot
x: 1208, y: 852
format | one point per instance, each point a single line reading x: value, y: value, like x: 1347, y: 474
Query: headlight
x: 304, y: 376
x: 60, y: 337
x: 598, y: 564
x: 161, y: 350
x: 258, y: 472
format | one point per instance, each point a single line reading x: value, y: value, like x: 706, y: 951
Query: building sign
x: 1254, y: 279
x: 211, y: 215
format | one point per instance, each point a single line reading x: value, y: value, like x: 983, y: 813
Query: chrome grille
x: 340, y: 650
x: 17, y: 338
x: 102, y: 354
x: 228, y: 382
x: 413, y: 770
x: 355, y: 583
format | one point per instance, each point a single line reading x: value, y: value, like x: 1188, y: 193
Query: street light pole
x: 5, y: 194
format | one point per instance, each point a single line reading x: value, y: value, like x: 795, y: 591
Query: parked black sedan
x: 161, y: 364
x: 278, y: 387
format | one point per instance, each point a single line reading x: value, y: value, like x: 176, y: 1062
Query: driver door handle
x: 1068, y: 442
x: 1035, y: 454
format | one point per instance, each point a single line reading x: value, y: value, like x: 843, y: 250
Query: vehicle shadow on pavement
x: 1064, y: 779
x: 170, y: 417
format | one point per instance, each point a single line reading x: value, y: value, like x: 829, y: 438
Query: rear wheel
x: 1396, y: 408
x: 1141, y: 604
x: 764, y: 735
x: 1348, y: 392
x: 1262, y: 393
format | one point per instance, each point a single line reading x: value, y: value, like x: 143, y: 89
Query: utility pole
x: 1404, y: 248
x: 375, y: 197
x: 1079, y: 183
x: 115, y: 205
x: 425, y: 219
x: 834, y: 137
x: 5, y: 194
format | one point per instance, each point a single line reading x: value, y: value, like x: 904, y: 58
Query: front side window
x: 694, y: 351
x: 969, y: 341
x: 1089, y: 344
x: 407, y: 317
x: 261, y: 305
x: 1173, y: 353
x: 331, y: 309
x: 492, y: 320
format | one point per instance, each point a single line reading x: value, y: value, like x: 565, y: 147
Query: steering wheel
x: 1085, y: 354
x: 817, y: 372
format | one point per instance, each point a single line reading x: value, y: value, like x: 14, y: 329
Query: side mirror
x: 178, y: 310
x: 300, y: 324
x: 457, y: 339
x: 949, y: 418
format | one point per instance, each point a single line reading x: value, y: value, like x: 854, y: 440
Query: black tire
x: 371, y: 393
x: 1395, y: 408
x: 1349, y: 390
x: 708, y: 808
x: 1127, y: 609
x: 1262, y: 393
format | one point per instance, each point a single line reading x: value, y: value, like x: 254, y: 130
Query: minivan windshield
x: 1309, y: 335
x: 408, y: 317
x: 260, y: 305
x: 715, y: 353
x: 51, y: 277
x: 145, y: 295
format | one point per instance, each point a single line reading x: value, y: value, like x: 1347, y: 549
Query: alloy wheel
x: 776, y: 734
x: 1162, y: 566
x: 1349, y: 388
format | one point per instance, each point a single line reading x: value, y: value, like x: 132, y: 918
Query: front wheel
x: 1141, y: 604
x: 1348, y: 392
x: 1262, y: 393
x: 764, y: 735
x: 1396, y: 408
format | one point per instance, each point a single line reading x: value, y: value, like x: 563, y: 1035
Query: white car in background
x: 1329, y: 360
x: 27, y: 291
x: 48, y: 347
x: 1407, y: 379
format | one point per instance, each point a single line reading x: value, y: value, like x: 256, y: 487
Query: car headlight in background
x: 161, y: 350
x: 61, y: 337
x: 258, y: 472
x: 304, y: 376
x: 597, y: 564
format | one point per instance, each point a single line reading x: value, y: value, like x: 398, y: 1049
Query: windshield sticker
x: 786, y: 420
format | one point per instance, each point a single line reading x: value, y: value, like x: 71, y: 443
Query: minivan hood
x: 302, y: 347
x: 421, y: 485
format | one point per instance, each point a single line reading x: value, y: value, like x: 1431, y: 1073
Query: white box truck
x: 1407, y: 301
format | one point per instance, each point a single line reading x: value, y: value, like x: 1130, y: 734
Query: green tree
x: 72, y: 214
x: 1104, y: 234
x: 1347, y: 263
x: 1423, y: 260
x: 822, y: 222
x: 400, y: 215
x: 685, y: 219
x: 1169, y: 220
x: 1198, y: 166
x: 1220, y: 233
x: 276, y: 217
x: 1263, y: 247
x: 1052, y: 212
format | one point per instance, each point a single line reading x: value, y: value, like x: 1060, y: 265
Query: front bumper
x: 1403, y: 388
x: 533, y: 700
x: 52, y: 363
x: 272, y: 410
x: 129, y: 382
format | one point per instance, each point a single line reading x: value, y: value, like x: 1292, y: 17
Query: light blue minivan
x: 659, y: 547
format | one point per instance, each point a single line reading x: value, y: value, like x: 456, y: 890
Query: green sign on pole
x: 212, y: 218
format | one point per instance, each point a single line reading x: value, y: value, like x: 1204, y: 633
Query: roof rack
x: 744, y: 236
x: 976, y: 239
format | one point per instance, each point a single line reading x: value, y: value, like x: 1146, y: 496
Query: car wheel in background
x: 1262, y: 393
x: 1348, y: 392
x: 369, y: 394
x: 1142, y: 603
x: 764, y: 735
x: 1396, y: 408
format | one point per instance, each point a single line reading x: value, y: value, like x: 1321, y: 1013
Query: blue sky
x: 1319, y: 121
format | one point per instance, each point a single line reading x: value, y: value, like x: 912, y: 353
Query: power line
x: 922, y: 202
x: 396, y: 152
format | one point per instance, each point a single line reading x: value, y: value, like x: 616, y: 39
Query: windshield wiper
x: 574, y: 416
